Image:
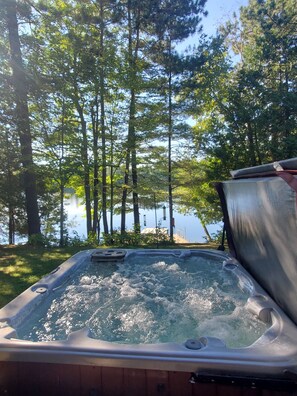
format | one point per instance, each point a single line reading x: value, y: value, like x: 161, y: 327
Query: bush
x: 38, y: 240
x: 130, y: 239
x: 76, y: 240
x: 92, y: 239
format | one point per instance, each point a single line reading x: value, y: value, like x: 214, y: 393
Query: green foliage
x: 135, y: 239
x: 245, y: 110
x: 195, y: 192
x: 38, y: 240
x: 92, y: 239
x: 108, y: 97
x: 216, y: 237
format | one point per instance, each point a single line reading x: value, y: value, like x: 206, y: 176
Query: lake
x: 186, y: 226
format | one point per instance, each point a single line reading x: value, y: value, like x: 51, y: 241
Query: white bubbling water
x: 148, y: 300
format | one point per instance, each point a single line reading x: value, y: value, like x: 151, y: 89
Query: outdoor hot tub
x: 173, y: 322
x: 185, y: 311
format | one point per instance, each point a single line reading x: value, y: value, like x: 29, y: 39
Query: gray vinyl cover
x: 263, y: 226
x: 289, y: 164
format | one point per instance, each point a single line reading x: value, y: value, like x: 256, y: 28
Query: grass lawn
x: 21, y: 266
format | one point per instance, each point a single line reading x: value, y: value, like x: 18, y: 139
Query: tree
x: 245, y: 111
x: 176, y: 20
x: 265, y: 78
x: 196, y: 192
x: 76, y: 59
x: 21, y: 117
x: 270, y: 50
x: 12, y: 209
x: 136, y: 18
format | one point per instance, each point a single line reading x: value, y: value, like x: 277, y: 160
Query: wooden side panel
x: 28, y: 379
x: 134, y: 382
x: 91, y: 382
x: 112, y: 381
x: 70, y: 381
x: 8, y: 378
x: 223, y: 390
x: 45, y: 379
x: 157, y: 383
x: 49, y: 379
x: 179, y: 383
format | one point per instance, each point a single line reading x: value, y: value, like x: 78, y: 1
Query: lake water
x: 186, y: 226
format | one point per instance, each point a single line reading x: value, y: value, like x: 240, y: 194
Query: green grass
x: 22, y: 266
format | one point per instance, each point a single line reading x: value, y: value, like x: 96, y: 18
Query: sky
x: 220, y: 11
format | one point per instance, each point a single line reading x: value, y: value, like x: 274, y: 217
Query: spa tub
x: 269, y: 361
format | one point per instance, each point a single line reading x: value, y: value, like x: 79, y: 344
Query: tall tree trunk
x: 125, y: 191
x: 11, y: 225
x: 61, y: 242
x: 252, y: 148
x: 86, y: 177
x: 111, y: 199
x: 94, y: 114
x: 19, y: 82
x: 131, y: 154
x: 170, y: 131
x: 208, y: 236
x: 133, y: 56
x: 111, y: 184
x: 290, y: 149
x: 102, y: 121
x: 62, y: 179
x: 10, y: 193
x: 134, y: 163
x: 202, y: 222
x: 85, y: 161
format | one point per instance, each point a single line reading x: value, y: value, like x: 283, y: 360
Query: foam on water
x: 148, y: 300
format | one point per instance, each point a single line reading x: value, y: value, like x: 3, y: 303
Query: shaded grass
x: 22, y: 266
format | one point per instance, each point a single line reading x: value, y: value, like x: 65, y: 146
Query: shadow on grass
x: 21, y: 266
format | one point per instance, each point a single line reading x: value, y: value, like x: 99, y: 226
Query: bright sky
x: 220, y: 11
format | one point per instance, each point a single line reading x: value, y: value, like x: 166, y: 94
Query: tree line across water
x: 97, y: 98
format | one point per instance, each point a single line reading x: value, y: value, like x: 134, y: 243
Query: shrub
x: 37, y: 240
x: 131, y: 238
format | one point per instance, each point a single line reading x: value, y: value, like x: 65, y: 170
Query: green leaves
x: 246, y: 112
x: 114, y: 107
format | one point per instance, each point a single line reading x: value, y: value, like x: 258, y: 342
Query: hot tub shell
x: 273, y: 354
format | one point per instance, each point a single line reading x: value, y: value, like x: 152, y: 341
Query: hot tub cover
x: 259, y: 206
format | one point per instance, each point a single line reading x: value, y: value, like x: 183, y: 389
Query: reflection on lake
x: 186, y: 226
